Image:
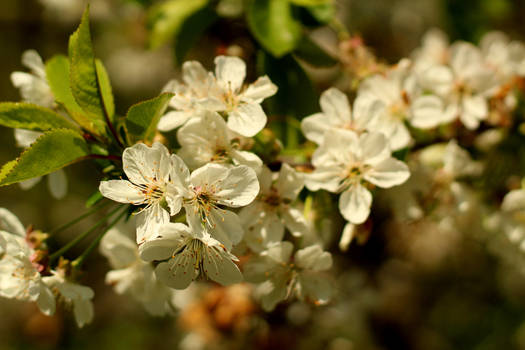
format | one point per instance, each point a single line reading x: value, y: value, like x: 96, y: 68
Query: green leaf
x: 273, y: 25
x: 105, y: 89
x: 52, y: 151
x: 313, y: 54
x: 296, y: 95
x: 83, y: 76
x: 191, y: 30
x: 57, y: 74
x: 310, y: 2
x: 31, y: 117
x: 142, y: 118
x: 166, y: 19
x: 322, y: 13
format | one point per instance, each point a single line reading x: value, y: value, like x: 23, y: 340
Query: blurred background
x: 413, y: 288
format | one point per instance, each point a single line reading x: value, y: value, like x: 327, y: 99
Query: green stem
x: 339, y: 28
x: 81, y: 217
x: 80, y: 237
x: 77, y: 263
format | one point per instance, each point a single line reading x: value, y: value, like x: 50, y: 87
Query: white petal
x: 208, y: 127
x: 179, y: 177
x: 279, y: 252
x: 32, y: 60
x: 122, y: 280
x: 145, y: 165
x: 326, y: 178
x: 463, y: 57
x: 174, y: 201
x: 514, y: 200
x: 178, y: 272
x: 381, y: 88
x: 427, y: 112
x: 265, y: 180
x: 439, y: 79
x: 57, y: 183
x: 83, y: 311
x: 247, y: 158
x: 219, y: 267
x: 347, y: 236
x: 194, y: 74
x: 10, y: 223
x: 355, y: 203
x: 28, y: 184
x: 475, y: 108
x: 262, y: 227
x: 366, y: 110
x: 388, y: 173
x: 399, y: 136
x: 374, y: 148
x: 313, y: 258
x: 247, y: 119
x: 122, y: 191
x: 272, y: 292
x: 202, y: 139
x: 335, y: 107
x: 169, y: 238
x: 289, y: 183
x: 24, y: 138
x: 339, y: 148
x: 259, y: 90
x: 46, y: 301
x: 314, y: 288
x: 149, y: 221
x: 21, y: 79
x: 230, y: 72
x: 173, y: 120
x: 118, y: 246
x: 234, y: 186
x: 3, y: 245
x: 295, y: 221
x: 227, y: 227
x: 314, y: 127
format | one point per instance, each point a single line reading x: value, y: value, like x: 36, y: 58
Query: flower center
x: 203, y: 201
x: 153, y: 192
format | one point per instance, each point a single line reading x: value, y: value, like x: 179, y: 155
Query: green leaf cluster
x: 82, y: 124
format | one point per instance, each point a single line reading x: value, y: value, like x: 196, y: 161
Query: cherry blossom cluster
x: 212, y: 209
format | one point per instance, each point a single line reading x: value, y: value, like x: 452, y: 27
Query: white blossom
x: 19, y: 278
x: 75, y: 295
x: 277, y: 278
x: 266, y: 217
x: 187, y: 253
x: 132, y: 275
x: 504, y: 57
x: 33, y: 86
x: 213, y: 186
x: 222, y: 92
x: 207, y: 139
x: 345, y: 160
x: 463, y: 86
x: 394, y: 92
x: 195, y: 88
x: 337, y: 113
x: 153, y: 175
x: 435, y: 50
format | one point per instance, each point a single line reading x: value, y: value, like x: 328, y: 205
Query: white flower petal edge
x: 189, y: 254
x: 132, y: 275
x: 76, y: 295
